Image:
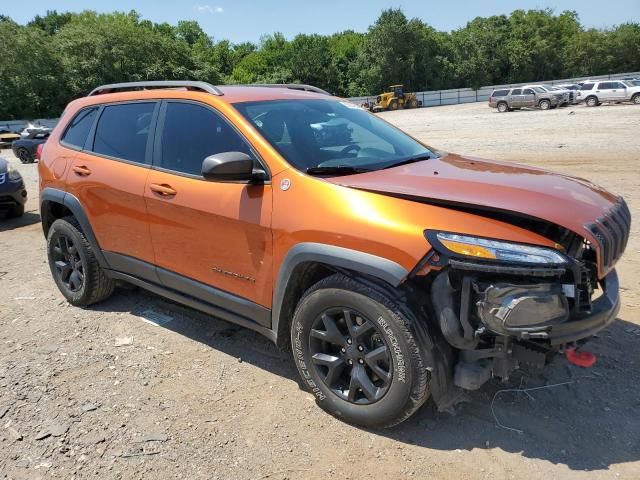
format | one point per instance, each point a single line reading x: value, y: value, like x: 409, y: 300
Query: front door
x: 528, y: 98
x: 217, y: 234
x: 619, y: 91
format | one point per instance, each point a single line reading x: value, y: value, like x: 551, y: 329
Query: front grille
x: 2, y: 178
x: 611, y: 232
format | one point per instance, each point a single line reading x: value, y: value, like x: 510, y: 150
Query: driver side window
x: 192, y: 132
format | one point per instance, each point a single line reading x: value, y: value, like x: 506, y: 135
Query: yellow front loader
x: 395, y: 99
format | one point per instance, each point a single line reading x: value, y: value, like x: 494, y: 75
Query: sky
x: 248, y: 20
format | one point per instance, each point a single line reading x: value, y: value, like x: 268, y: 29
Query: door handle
x: 81, y: 170
x: 163, y: 190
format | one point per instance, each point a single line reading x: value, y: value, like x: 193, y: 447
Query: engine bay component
x: 519, y: 310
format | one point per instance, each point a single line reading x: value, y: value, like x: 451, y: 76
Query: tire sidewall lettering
x: 399, y: 364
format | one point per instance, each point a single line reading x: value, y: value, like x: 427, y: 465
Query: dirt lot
x: 103, y: 393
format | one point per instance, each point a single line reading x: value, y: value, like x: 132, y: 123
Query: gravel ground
x: 102, y: 392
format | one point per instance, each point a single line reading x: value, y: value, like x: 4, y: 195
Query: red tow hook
x: 580, y: 358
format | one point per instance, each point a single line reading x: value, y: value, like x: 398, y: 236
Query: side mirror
x: 231, y: 166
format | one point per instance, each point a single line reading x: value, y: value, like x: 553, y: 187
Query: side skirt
x: 193, y: 303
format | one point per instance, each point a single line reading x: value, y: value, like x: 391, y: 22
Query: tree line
x: 60, y: 56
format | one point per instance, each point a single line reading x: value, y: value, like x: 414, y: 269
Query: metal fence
x: 456, y: 96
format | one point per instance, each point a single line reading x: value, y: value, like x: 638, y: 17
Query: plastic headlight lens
x: 497, y: 250
x: 13, y: 174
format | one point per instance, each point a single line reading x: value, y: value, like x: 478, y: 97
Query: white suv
x: 595, y: 92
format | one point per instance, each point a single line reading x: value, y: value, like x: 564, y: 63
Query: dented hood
x: 466, y: 181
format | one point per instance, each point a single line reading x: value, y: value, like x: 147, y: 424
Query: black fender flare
x: 54, y: 195
x: 332, y: 256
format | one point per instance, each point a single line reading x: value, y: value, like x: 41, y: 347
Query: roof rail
x: 128, y: 86
x: 292, y: 86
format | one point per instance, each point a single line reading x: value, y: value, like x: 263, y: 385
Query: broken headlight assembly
x: 454, y: 244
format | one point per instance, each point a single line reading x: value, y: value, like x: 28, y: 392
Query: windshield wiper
x: 406, y: 161
x: 336, y: 170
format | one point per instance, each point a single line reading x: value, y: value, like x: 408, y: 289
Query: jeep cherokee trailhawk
x: 393, y: 272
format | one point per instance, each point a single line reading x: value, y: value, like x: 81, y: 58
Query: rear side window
x: 123, y: 130
x: 587, y: 86
x: 605, y: 85
x: 517, y: 91
x: 78, y: 129
x: 193, y: 132
x: 500, y: 93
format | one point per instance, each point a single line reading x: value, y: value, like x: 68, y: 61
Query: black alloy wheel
x: 24, y: 156
x: 351, y: 356
x: 68, y: 264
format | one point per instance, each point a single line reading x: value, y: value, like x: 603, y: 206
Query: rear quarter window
x: 78, y: 129
x: 587, y: 86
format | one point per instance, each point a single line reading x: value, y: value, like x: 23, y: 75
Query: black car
x: 13, y: 194
x: 25, y: 148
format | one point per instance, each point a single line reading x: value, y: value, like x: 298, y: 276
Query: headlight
x: 497, y: 250
x: 13, y: 174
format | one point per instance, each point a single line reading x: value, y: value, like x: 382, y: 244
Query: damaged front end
x: 505, y: 306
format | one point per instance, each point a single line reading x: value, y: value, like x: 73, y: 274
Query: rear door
x: 217, y: 234
x: 108, y: 176
x: 516, y: 97
x: 605, y: 91
x: 528, y: 98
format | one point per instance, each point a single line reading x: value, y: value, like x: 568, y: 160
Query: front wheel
x: 393, y: 105
x: 16, y: 211
x: 636, y: 99
x: 355, y: 352
x: 544, y: 104
x: 24, y: 156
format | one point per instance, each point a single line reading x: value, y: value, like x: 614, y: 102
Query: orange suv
x: 393, y: 272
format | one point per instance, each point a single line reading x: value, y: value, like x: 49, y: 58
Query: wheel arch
x: 55, y: 204
x: 307, y: 263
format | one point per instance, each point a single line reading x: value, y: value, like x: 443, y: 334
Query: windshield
x: 331, y: 135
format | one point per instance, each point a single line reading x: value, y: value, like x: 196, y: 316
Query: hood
x: 569, y: 202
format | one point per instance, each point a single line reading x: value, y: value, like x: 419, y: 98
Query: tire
x: 393, y: 105
x: 544, y: 104
x: 74, y: 266
x: 413, y: 104
x: 388, y: 371
x: 16, y: 211
x: 503, y: 107
x: 24, y: 156
x: 592, y: 101
x: 636, y: 99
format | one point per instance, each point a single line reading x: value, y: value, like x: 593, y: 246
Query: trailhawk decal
x: 297, y: 344
x: 400, y: 368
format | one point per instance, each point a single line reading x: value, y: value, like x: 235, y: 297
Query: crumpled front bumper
x: 542, y: 311
x: 603, y: 312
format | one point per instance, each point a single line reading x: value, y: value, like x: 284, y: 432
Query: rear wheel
x: 355, y: 352
x: 592, y: 101
x: 413, y: 103
x: 544, y: 104
x: 503, y: 107
x: 24, y: 156
x: 74, y: 266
